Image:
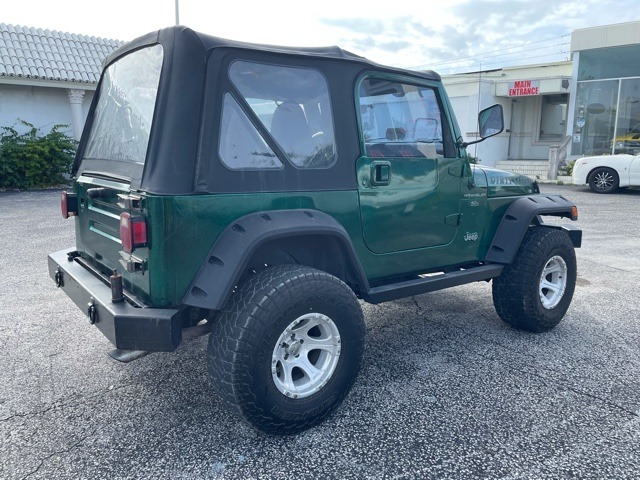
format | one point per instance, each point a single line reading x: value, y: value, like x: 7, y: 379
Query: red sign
x: 522, y: 88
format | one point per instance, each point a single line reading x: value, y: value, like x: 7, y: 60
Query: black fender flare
x: 521, y: 214
x: 228, y: 259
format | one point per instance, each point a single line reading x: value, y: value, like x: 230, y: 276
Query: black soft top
x: 210, y: 42
x: 182, y: 152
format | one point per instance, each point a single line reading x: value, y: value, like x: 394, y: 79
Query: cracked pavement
x: 446, y: 391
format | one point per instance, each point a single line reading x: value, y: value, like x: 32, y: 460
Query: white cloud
x: 411, y: 33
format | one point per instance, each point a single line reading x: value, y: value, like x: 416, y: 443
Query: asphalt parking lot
x: 446, y: 391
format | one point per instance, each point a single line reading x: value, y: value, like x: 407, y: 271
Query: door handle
x: 457, y: 170
x: 381, y: 173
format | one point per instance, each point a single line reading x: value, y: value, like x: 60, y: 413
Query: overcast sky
x: 445, y: 35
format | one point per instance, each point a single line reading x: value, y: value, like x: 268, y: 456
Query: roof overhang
x: 40, y: 82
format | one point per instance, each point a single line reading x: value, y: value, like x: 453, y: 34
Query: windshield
x: 124, y: 112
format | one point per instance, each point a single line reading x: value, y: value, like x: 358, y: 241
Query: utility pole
x: 177, y: 13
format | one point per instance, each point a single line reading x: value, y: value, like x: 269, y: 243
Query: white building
x: 606, y: 82
x: 534, y: 99
x: 582, y: 105
x: 48, y: 77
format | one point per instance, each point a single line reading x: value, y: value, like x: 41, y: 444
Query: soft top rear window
x: 124, y: 112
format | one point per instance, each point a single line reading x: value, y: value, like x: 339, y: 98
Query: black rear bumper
x: 127, y: 327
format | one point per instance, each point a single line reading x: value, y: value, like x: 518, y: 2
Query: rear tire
x: 535, y: 291
x: 287, y: 349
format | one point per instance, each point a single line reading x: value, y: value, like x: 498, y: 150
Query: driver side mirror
x: 491, y: 121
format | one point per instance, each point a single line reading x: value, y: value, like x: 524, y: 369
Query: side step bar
x: 422, y: 285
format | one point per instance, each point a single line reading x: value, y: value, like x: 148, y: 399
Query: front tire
x: 535, y: 291
x: 604, y: 180
x: 287, y: 349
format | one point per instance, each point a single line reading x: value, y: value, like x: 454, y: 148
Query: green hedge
x: 31, y: 159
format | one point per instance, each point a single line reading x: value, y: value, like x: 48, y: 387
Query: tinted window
x: 124, y: 112
x: 400, y: 120
x: 611, y: 62
x: 293, y: 105
x: 595, y: 117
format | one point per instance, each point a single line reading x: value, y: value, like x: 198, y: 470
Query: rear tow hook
x: 92, y: 311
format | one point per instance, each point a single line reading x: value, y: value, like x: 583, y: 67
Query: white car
x: 605, y: 173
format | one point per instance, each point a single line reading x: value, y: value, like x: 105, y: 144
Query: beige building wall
x: 523, y: 138
x: 605, y: 36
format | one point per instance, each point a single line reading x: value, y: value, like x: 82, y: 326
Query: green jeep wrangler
x: 256, y: 193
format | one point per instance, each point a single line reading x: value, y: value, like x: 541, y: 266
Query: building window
x: 611, y: 62
x: 627, y: 139
x: 553, y: 117
x: 607, y: 102
x: 606, y: 122
x: 595, y: 117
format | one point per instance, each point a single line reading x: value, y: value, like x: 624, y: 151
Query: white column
x: 77, y: 116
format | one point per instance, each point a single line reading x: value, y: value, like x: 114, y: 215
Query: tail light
x: 68, y: 204
x: 133, y: 231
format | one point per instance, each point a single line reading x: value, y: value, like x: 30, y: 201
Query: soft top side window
x: 241, y: 145
x: 401, y: 120
x: 292, y: 103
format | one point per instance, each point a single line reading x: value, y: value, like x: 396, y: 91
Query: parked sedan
x: 605, y: 173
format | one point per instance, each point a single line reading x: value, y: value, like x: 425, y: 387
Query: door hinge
x: 129, y: 201
x: 131, y: 263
